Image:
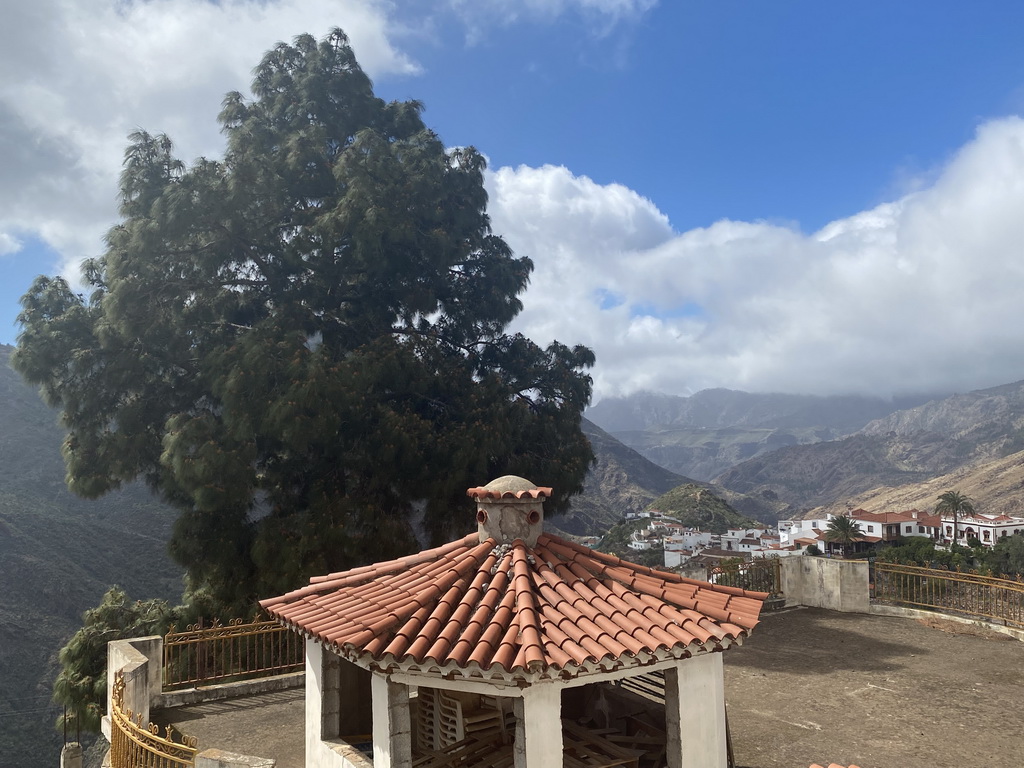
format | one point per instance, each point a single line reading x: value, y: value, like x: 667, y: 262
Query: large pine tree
x: 303, y: 346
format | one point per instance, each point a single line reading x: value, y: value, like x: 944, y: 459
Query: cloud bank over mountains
x: 922, y: 293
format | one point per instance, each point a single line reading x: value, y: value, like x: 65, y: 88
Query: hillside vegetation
x: 690, y: 504
x: 621, y: 481
x: 58, y: 555
x: 696, y: 506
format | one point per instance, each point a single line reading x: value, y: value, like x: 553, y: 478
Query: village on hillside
x: 687, y: 546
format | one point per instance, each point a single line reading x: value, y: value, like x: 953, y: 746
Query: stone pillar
x: 71, y: 755
x: 695, y: 713
x: 392, y: 726
x: 538, y: 741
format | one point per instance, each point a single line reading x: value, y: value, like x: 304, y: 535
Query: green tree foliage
x: 81, y: 685
x: 1006, y: 558
x: 956, y: 505
x: 921, y: 551
x: 844, y: 531
x: 303, y: 345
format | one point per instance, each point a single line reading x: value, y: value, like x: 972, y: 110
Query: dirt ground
x: 808, y: 686
x: 269, y: 725
x: 815, y: 686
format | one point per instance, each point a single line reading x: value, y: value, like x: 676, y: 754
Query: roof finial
x: 510, y: 508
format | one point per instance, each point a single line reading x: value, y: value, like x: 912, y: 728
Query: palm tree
x: 843, y: 530
x: 956, y: 504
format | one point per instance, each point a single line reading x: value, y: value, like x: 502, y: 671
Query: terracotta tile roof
x: 483, y: 492
x: 482, y: 609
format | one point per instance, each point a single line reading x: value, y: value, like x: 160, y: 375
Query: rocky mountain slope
x: 906, y: 447
x: 705, y: 434
x: 623, y: 481
x: 992, y: 419
x: 994, y: 487
x: 620, y: 481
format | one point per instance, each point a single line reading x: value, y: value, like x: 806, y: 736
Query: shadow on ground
x: 810, y: 641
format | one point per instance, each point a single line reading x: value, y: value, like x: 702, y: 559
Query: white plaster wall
x: 324, y: 752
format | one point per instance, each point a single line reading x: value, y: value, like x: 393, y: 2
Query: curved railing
x: 958, y: 592
x: 134, y: 745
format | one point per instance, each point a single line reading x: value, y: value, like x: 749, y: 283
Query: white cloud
x: 600, y: 16
x: 9, y: 244
x: 79, y: 76
x: 922, y: 294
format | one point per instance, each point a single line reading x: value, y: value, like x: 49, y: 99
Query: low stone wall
x: 187, y: 696
x: 882, y: 609
x: 218, y: 758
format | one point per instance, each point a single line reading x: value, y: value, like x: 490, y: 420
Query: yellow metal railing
x: 134, y: 745
x: 238, y: 651
x: 986, y: 597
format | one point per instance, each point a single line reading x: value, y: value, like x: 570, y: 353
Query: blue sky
x: 787, y: 196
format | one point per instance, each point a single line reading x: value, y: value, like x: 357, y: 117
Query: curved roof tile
x: 483, y: 609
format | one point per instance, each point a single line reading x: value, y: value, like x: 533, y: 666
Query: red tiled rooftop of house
x: 506, y: 610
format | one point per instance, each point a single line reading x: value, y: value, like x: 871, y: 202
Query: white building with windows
x: 987, y: 529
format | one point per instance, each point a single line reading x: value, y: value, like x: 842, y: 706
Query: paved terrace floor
x: 808, y: 686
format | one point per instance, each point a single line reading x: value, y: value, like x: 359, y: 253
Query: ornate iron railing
x: 134, y: 745
x: 761, y: 575
x: 970, y: 594
x: 238, y: 651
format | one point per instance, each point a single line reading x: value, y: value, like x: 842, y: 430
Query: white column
x: 318, y: 682
x: 538, y: 741
x: 392, y: 727
x: 695, y: 713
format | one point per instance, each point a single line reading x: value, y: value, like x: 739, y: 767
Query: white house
x: 988, y: 529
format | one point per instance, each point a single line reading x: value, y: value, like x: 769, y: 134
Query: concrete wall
x: 821, y: 582
x: 695, y: 713
x: 219, y: 691
x: 141, y: 661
